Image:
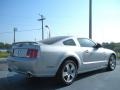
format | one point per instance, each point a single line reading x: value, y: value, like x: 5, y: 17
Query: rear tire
x: 67, y: 72
x: 111, y: 63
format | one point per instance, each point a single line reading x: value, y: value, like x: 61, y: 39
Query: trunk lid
x: 25, y: 49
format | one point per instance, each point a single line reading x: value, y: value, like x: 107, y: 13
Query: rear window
x: 52, y: 40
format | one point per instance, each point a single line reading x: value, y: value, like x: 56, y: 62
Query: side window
x: 85, y: 42
x: 69, y: 42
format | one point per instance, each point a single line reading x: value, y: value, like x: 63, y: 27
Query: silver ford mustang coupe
x: 62, y: 57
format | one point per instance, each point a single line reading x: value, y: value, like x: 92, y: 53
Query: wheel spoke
x: 67, y: 67
x: 72, y: 68
x: 72, y: 75
x: 65, y: 74
x: 68, y: 78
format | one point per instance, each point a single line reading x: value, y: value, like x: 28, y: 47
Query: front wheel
x: 68, y: 71
x: 111, y: 63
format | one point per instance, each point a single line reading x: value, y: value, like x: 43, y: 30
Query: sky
x: 64, y: 17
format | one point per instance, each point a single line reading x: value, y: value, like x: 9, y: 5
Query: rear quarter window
x: 69, y: 42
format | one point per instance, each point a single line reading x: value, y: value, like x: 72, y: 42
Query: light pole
x: 48, y: 29
x: 15, y: 29
x: 90, y: 19
x: 42, y: 19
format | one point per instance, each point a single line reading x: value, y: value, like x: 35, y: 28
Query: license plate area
x: 19, y: 52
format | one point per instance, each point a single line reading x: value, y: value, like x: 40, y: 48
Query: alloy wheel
x: 69, y: 72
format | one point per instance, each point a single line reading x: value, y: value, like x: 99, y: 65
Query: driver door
x: 91, y: 57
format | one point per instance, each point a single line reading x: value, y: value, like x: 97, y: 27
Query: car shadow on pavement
x: 91, y: 73
x: 19, y: 82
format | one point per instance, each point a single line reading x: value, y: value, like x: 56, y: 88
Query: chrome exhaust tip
x: 9, y: 70
x: 29, y: 74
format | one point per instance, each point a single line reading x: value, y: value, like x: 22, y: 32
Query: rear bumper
x: 21, y: 65
x: 34, y: 68
x: 27, y: 73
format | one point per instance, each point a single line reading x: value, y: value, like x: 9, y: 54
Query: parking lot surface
x: 95, y: 80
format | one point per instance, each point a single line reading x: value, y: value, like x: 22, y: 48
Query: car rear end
x: 24, y: 58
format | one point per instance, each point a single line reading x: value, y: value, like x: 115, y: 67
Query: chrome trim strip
x: 94, y: 62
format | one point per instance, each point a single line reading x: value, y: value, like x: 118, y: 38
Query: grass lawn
x: 4, y: 54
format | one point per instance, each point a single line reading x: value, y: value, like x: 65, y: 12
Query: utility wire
x: 28, y: 30
x: 5, y: 32
x: 19, y: 31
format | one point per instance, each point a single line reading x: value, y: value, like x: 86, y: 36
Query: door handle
x: 86, y: 51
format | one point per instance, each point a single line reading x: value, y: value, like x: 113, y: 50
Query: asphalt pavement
x: 95, y: 80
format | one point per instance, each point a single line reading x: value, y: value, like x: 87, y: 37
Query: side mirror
x: 97, y: 45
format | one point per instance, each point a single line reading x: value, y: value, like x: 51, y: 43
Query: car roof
x: 56, y: 39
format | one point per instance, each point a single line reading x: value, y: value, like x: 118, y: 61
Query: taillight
x: 32, y: 53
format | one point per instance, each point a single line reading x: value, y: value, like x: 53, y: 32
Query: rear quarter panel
x: 53, y: 56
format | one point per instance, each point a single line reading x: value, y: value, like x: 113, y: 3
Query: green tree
x: 5, y: 46
x: 1, y: 45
